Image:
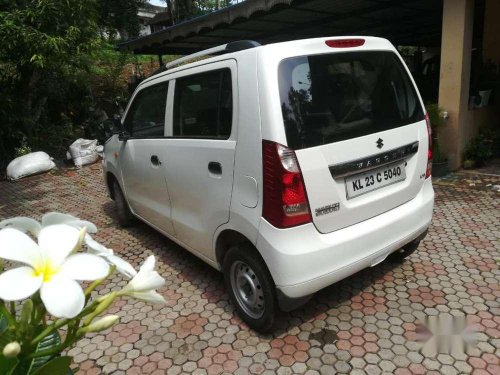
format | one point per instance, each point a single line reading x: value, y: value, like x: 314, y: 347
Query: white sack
x: 26, y: 165
x: 83, y: 152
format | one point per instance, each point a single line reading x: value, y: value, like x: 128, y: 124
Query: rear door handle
x: 215, y: 167
x: 155, y: 161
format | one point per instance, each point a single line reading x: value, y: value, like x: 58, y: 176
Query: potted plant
x: 478, y: 151
x: 439, y: 161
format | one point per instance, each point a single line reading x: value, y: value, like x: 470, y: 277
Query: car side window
x: 146, y: 117
x: 203, y: 105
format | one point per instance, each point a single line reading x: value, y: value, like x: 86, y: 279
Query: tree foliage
x: 181, y: 10
x: 40, y: 33
x: 41, y: 44
x: 119, y: 17
x: 59, y: 70
x: 48, y: 49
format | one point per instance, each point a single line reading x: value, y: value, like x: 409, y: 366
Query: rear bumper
x: 303, y: 261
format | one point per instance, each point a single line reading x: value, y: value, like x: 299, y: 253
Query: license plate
x: 375, y: 179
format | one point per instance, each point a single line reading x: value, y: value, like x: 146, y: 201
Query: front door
x: 200, y: 154
x: 141, y: 157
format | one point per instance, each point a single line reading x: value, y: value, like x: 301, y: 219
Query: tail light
x: 428, y: 171
x: 285, y: 199
x: 345, y: 43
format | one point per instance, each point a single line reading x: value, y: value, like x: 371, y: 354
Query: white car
x: 288, y: 166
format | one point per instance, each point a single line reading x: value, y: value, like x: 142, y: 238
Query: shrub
x: 479, y: 149
x: 437, y: 121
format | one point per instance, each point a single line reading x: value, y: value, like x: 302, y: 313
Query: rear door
x: 199, y: 155
x: 141, y: 157
x: 358, y: 128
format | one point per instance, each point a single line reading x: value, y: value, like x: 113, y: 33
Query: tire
x: 403, y: 253
x: 250, y: 287
x: 125, y: 216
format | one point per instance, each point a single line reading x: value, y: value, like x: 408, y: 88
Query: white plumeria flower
x: 122, y: 266
x: 26, y: 224
x: 143, y: 286
x: 50, y: 268
x: 53, y: 218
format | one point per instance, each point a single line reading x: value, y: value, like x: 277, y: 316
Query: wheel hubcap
x: 247, y: 289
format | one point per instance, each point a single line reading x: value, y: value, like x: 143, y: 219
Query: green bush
x: 437, y: 121
x: 57, y: 70
x: 479, y: 149
x: 435, y: 116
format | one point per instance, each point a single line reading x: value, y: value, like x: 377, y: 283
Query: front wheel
x: 250, y: 287
x: 125, y: 216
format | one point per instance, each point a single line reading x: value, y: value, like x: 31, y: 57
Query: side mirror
x: 110, y: 126
x: 114, y: 126
x: 123, y: 135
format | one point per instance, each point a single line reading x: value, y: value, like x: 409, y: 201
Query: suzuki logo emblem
x: 380, y: 143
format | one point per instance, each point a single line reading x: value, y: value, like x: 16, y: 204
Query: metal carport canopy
x: 404, y: 22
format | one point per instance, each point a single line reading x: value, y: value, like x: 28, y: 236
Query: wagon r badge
x: 327, y: 209
x: 380, y: 143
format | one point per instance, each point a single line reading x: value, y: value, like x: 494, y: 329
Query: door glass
x: 146, y: 117
x: 334, y: 97
x: 203, y: 105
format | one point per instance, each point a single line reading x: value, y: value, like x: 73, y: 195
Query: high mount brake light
x: 285, y: 201
x: 345, y: 43
x: 428, y: 171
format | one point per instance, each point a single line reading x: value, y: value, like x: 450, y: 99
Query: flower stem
x: 87, y: 310
x: 48, y: 352
x: 10, y: 320
x: 47, y: 331
x: 13, y: 309
x: 96, y: 283
x: 61, y: 322
x: 33, y: 314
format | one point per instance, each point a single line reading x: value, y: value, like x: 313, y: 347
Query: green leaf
x: 7, y: 365
x: 57, y: 366
x: 48, y: 342
x: 23, y: 367
x: 31, y: 366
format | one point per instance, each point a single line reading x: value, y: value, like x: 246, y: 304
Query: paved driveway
x: 365, y: 324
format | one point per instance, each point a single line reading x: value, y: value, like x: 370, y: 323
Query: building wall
x: 464, y: 123
x: 456, y: 48
x: 491, y: 39
x: 491, y: 48
x: 487, y: 117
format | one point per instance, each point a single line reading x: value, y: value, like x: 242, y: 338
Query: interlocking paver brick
x: 372, y: 314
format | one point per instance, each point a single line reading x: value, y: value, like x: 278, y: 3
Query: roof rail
x: 219, y: 50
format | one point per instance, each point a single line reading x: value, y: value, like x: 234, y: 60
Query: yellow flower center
x: 46, y: 270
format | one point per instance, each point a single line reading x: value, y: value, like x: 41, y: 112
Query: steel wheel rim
x: 247, y: 289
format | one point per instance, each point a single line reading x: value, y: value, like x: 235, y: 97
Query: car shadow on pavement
x: 180, y: 266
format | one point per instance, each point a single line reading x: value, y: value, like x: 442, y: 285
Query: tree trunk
x: 171, y: 12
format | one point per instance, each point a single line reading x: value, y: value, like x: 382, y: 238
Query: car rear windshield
x: 334, y: 97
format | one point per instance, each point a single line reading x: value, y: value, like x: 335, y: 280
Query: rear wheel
x: 125, y: 216
x: 404, y: 252
x: 250, y: 287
